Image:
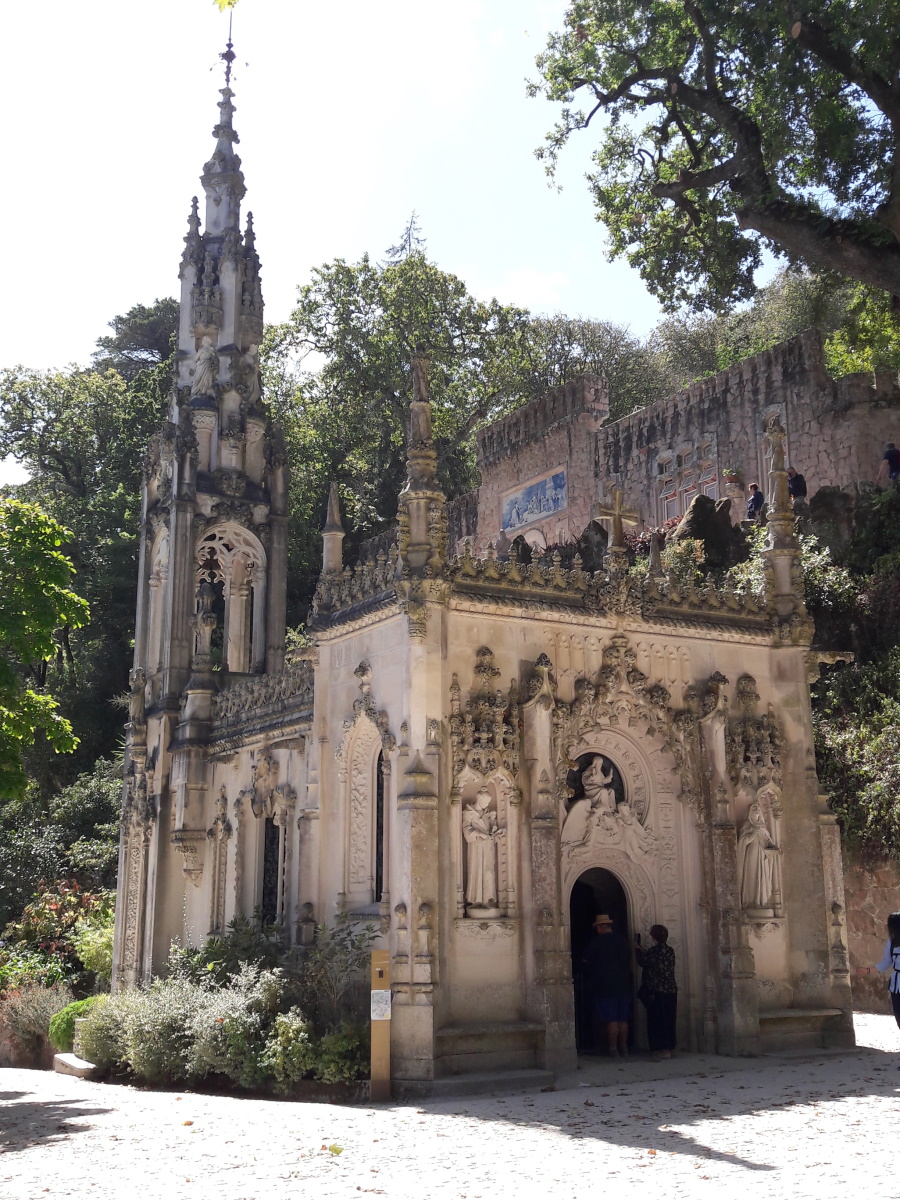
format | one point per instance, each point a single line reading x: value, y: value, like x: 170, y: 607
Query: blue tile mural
x: 535, y: 501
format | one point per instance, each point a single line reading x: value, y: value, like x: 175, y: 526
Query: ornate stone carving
x: 484, y: 735
x: 219, y: 835
x: 250, y: 697
x: 189, y: 843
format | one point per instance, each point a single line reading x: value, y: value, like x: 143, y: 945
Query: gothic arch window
x: 233, y: 559
x: 366, y: 817
x: 379, y: 828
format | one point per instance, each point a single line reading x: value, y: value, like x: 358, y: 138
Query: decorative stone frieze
x: 256, y: 695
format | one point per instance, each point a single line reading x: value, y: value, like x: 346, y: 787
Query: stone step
x: 71, y: 1064
x: 475, y: 1084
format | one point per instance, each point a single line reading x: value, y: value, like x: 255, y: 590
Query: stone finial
x: 222, y: 178
x: 421, y: 460
x: 333, y: 534
x: 655, y: 566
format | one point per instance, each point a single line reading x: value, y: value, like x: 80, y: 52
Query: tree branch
x: 843, y: 246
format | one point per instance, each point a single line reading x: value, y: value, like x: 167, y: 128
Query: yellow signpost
x: 380, y: 1085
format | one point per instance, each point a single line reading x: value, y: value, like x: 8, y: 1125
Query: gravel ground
x: 817, y: 1125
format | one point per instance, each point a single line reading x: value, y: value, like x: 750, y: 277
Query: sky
x: 350, y: 115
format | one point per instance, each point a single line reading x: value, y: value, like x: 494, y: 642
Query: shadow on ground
x: 25, y: 1123
x: 656, y: 1114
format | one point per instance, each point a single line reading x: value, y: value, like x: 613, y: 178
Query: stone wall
x: 872, y: 889
x: 557, y: 432
x: 836, y: 428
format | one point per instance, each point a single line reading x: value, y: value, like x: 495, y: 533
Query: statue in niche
x: 482, y: 832
x: 136, y: 700
x: 598, y: 786
x: 756, y: 865
x: 598, y: 799
x: 206, y: 369
x: 250, y: 371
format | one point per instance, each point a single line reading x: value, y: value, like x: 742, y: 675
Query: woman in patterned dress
x: 659, y: 991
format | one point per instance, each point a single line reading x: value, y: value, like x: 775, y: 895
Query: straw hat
x: 602, y: 919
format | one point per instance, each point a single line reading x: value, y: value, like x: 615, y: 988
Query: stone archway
x: 597, y: 890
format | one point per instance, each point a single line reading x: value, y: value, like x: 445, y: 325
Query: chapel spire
x: 221, y: 292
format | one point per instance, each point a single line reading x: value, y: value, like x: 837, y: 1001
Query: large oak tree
x: 723, y: 127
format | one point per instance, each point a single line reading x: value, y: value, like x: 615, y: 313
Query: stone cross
x: 620, y: 516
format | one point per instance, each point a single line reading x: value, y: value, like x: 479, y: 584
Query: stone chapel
x: 477, y: 754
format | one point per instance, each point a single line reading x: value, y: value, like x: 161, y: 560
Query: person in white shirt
x: 890, y: 961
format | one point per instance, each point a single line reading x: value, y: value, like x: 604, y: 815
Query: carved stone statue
x: 136, y: 703
x: 482, y: 832
x: 206, y: 369
x: 250, y: 370
x: 756, y: 851
x: 598, y: 787
x: 599, y: 798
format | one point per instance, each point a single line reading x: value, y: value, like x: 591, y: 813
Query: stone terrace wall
x: 559, y: 430
x: 836, y: 428
x: 872, y: 890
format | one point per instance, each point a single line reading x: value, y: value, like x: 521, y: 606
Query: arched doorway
x: 595, y: 891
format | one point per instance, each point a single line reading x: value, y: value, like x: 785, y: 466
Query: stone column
x: 550, y: 994
x: 417, y: 860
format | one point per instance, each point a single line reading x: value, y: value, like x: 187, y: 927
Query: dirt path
x: 813, y: 1127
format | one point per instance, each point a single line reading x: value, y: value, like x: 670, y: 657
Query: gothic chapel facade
x: 476, y: 755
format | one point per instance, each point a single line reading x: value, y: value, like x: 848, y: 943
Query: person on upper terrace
x: 890, y: 464
x: 755, y: 502
x: 796, y: 485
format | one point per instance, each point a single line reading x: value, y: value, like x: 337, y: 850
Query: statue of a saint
x: 755, y: 852
x: 136, y: 702
x: 482, y: 832
x: 598, y: 801
x: 775, y: 436
x: 206, y: 369
x: 598, y: 788
x: 250, y: 367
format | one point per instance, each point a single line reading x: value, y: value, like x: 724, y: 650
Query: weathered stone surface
x: 709, y: 521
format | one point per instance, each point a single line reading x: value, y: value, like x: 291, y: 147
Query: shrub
x: 342, y: 1056
x: 103, y: 1035
x: 684, y: 559
x: 62, y: 1024
x: 231, y: 1026
x: 26, y: 1012
x: 334, y: 972
x: 290, y: 1052
x: 20, y: 966
x: 93, y: 942
x: 158, y: 1041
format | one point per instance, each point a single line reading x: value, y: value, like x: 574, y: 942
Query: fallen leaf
x: 187, y: 1122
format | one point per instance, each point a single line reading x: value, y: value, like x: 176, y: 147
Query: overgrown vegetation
x: 244, y: 1010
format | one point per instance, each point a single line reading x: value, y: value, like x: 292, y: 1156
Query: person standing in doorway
x: 607, y: 970
x: 658, y: 991
x: 890, y: 961
x: 890, y: 464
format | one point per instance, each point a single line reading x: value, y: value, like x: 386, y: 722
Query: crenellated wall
x: 557, y: 433
x: 836, y: 428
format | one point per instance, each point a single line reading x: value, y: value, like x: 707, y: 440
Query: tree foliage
x: 726, y: 127
x: 82, y: 435
x: 35, y: 600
